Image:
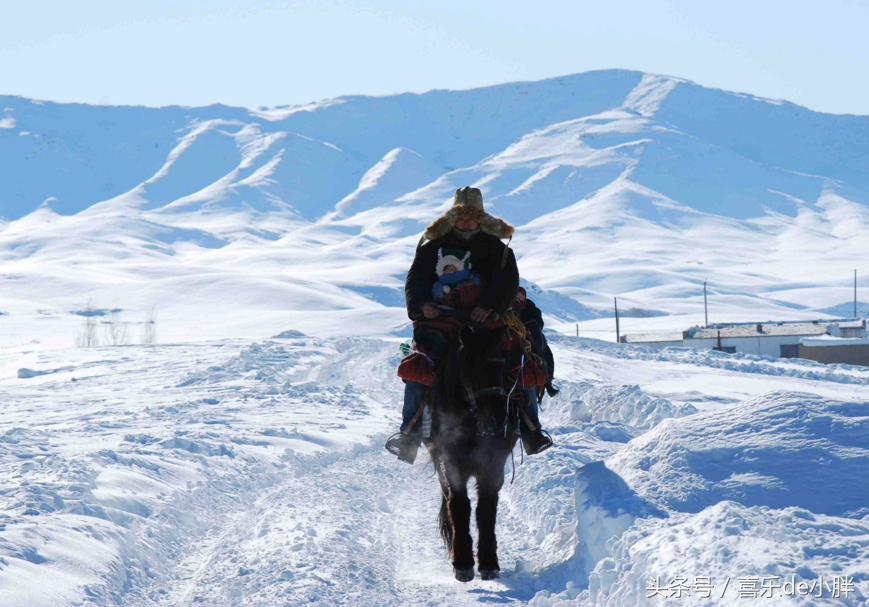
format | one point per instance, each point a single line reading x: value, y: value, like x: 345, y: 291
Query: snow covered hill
x: 237, y: 222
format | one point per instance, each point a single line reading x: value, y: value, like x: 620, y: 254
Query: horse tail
x: 445, y: 525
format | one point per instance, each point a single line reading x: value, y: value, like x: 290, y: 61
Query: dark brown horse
x: 473, y: 434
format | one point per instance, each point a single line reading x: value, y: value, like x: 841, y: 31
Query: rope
x: 506, y: 252
x: 419, y: 411
x: 511, y: 320
x: 510, y: 394
x: 528, y: 421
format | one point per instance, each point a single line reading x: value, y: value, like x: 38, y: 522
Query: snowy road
x: 233, y: 473
x: 230, y: 473
x: 356, y: 530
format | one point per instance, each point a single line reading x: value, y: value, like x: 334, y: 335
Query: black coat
x: 532, y: 318
x: 486, y: 254
x: 531, y: 312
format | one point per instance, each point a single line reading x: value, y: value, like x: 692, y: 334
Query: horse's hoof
x: 490, y: 574
x: 464, y: 575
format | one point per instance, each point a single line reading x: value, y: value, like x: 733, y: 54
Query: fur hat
x: 468, y: 202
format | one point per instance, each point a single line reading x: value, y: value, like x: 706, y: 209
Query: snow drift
x: 779, y: 450
x: 768, y: 548
x: 767, y: 489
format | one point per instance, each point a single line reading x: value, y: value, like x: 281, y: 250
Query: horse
x: 473, y: 433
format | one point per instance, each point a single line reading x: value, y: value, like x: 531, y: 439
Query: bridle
x: 490, y: 427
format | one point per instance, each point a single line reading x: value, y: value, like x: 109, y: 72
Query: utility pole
x: 616, y: 300
x: 705, y: 307
x: 855, y: 293
x: 577, y: 329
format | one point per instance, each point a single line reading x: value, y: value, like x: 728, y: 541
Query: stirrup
x: 394, y: 442
x: 402, y: 446
x: 542, y: 446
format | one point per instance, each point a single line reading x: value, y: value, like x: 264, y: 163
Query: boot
x: 536, y: 442
x: 404, y: 446
x: 551, y: 390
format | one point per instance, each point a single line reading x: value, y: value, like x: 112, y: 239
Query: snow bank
x: 29, y: 373
x: 605, y: 508
x: 543, y: 497
x: 572, y: 504
x: 771, y: 488
x: 765, y: 554
x: 781, y: 449
x: 627, y: 405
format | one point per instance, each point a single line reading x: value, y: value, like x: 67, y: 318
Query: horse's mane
x: 446, y: 390
x: 454, y: 373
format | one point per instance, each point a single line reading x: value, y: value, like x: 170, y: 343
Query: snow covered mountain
x: 233, y: 221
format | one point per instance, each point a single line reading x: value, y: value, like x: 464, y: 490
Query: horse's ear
x: 466, y: 335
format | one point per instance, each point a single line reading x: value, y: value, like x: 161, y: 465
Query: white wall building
x: 777, y: 340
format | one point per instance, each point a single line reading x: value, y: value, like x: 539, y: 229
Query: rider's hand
x: 430, y: 310
x: 480, y: 314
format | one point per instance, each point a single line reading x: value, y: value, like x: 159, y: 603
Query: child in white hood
x: 453, y: 273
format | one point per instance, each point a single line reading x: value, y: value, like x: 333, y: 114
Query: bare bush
x: 86, y: 335
x: 116, y: 332
x: 149, y: 328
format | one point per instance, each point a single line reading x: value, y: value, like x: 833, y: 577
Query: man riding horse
x: 470, y: 236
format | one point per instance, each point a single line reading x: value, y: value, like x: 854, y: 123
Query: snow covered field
x: 237, y: 473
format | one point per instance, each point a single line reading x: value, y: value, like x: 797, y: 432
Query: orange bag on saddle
x: 417, y: 367
x: 532, y: 374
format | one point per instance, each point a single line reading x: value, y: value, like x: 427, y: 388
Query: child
x: 454, y: 276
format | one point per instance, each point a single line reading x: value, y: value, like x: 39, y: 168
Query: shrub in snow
x: 149, y: 327
x: 116, y: 332
x: 86, y: 335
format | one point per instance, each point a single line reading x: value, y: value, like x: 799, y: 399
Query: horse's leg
x: 459, y: 509
x: 487, y: 513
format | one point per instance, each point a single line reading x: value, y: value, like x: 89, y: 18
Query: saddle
x: 431, y: 338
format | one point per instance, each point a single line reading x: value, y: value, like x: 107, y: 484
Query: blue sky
x: 274, y: 52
